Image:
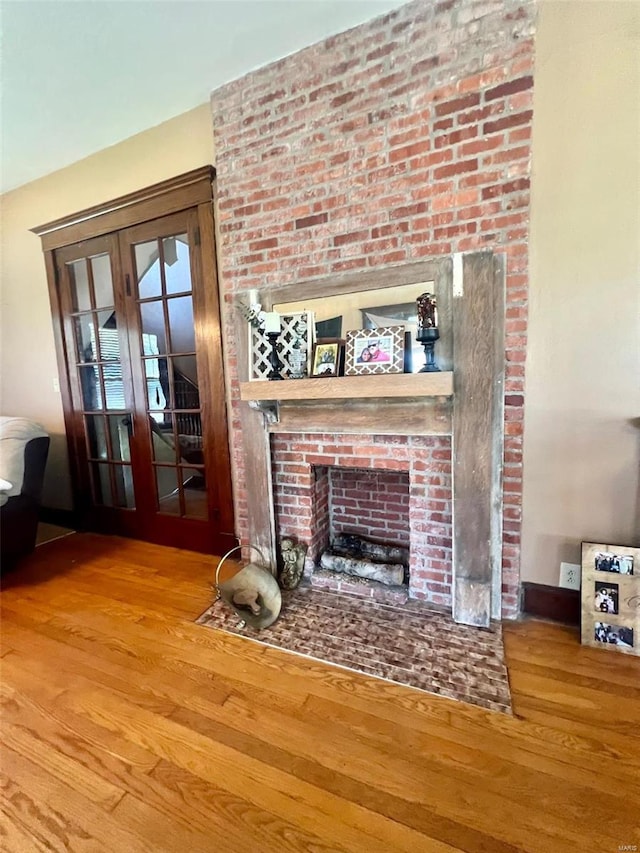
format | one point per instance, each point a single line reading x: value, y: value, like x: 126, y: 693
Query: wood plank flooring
x: 125, y: 727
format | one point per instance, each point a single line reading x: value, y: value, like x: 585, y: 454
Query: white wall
x: 582, y: 413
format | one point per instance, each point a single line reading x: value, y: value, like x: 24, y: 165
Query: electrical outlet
x: 570, y: 575
x: 56, y: 385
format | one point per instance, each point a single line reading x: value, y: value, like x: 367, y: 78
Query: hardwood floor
x: 126, y: 728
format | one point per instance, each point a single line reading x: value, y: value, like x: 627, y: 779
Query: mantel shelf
x: 407, y: 385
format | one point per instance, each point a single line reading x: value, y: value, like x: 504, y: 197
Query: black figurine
x: 428, y: 332
x: 274, y: 357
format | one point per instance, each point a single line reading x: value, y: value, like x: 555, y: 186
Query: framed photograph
x: 392, y: 315
x: 610, y: 614
x: 370, y: 351
x: 327, y: 357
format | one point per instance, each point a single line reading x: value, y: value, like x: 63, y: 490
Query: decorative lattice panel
x: 295, y: 344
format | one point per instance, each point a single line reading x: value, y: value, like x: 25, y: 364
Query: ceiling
x: 80, y: 75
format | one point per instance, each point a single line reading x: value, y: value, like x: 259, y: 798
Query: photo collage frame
x: 610, y: 597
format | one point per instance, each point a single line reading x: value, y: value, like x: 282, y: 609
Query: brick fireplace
x: 319, y: 482
x: 404, y: 139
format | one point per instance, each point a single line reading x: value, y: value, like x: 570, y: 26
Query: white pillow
x: 14, y: 435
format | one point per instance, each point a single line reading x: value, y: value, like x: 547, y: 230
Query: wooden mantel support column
x: 478, y: 436
x: 256, y: 451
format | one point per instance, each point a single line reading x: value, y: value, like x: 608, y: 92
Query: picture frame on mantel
x: 327, y: 360
x: 610, y: 597
x: 374, y: 351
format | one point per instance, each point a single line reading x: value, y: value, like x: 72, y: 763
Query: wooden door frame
x: 170, y: 196
x: 193, y: 189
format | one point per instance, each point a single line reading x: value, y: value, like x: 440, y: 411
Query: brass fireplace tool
x: 253, y: 591
x: 428, y: 332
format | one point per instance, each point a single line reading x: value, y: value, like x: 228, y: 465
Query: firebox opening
x: 361, y: 525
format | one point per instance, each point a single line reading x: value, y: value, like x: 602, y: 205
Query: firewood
x: 391, y: 574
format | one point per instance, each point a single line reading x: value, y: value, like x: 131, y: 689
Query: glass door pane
x: 177, y: 272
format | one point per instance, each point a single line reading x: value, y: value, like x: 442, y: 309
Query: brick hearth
x: 411, y: 644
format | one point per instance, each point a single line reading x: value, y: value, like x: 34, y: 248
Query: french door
x: 147, y: 416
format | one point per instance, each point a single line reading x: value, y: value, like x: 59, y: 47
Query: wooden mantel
x: 470, y: 289
x: 409, y: 385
